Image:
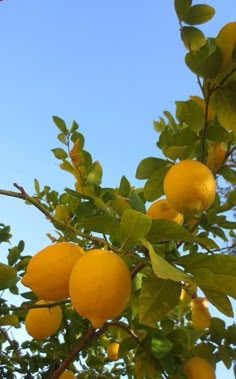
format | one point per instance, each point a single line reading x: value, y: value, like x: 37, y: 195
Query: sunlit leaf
x: 133, y: 227
x: 199, y: 14
x: 11, y: 320
x: 226, y: 40
x: 182, y: 8
x: 192, y: 38
x: 191, y: 113
x: 164, y: 269
x: 60, y: 123
x: 206, y: 61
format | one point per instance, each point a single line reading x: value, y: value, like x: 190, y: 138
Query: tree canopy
x: 176, y: 268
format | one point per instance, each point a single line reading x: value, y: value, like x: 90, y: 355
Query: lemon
x: 41, y: 323
x: 199, y: 368
x: 216, y: 156
x: 49, y: 270
x: 113, y: 351
x: 100, y: 286
x: 161, y: 209
x: 201, y: 317
x: 67, y: 374
x: 190, y: 187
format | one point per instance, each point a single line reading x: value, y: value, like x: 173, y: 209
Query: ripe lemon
x: 199, y: 368
x: 100, y: 286
x: 113, y: 351
x: 41, y: 323
x: 67, y: 374
x: 201, y: 317
x: 216, y: 156
x: 161, y: 209
x: 49, y: 270
x: 190, y: 187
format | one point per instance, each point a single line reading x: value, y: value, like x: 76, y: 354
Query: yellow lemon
x: 201, y: 317
x: 41, y: 323
x: 67, y: 374
x: 161, y: 209
x: 199, y: 368
x: 49, y: 270
x: 190, y: 187
x: 113, y: 351
x: 100, y: 286
x: 216, y: 156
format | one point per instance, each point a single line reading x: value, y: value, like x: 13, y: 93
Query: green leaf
x: 8, y: 276
x: 101, y: 224
x: 136, y: 202
x: 166, y: 230
x: 224, y: 354
x: 199, y: 14
x: 60, y: 124
x: 95, y: 175
x: 59, y: 153
x: 206, y: 279
x: 36, y: 186
x: 206, y: 61
x: 225, y: 107
x: 124, y: 187
x: 13, y: 255
x: 74, y: 127
x: 229, y: 174
x: 5, y: 234
x: 190, y: 113
x: 11, y: 320
x: 219, y: 300
x: 182, y: 8
x: 162, y: 268
x: 153, y: 188
x: 215, y: 132
x: 148, y: 166
x: 158, y: 345
x: 192, y: 38
x: 157, y: 298
x: 133, y: 227
x: 126, y: 345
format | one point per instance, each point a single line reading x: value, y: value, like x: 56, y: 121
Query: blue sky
x: 113, y: 66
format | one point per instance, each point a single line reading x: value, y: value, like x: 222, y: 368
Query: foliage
x: 155, y: 335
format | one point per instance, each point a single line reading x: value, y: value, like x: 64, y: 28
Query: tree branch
x: 25, y: 196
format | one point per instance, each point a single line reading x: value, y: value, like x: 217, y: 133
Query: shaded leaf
x: 8, y: 276
x: 225, y: 107
x: 59, y: 153
x: 148, y: 166
x: 101, y: 224
x: 153, y: 187
x: 157, y: 298
x: 11, y: 320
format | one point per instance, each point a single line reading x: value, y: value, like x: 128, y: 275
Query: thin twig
x: 25, y: 196
x: 16, y: 351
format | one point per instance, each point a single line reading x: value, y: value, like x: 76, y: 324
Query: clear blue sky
x: 113, y: 66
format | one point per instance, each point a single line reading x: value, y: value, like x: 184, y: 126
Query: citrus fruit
x: 41, y: 323
x: 100, y: 286
x: 190, y: 187
x: 48, y: 271
x: 216, y: 156
x: 161, y: 209
x: 67, y: 374
x: 199, y: 368
x: 201, y: 317
x: 113, y: 351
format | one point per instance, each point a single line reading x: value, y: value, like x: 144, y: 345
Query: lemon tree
x: 123, y: 287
